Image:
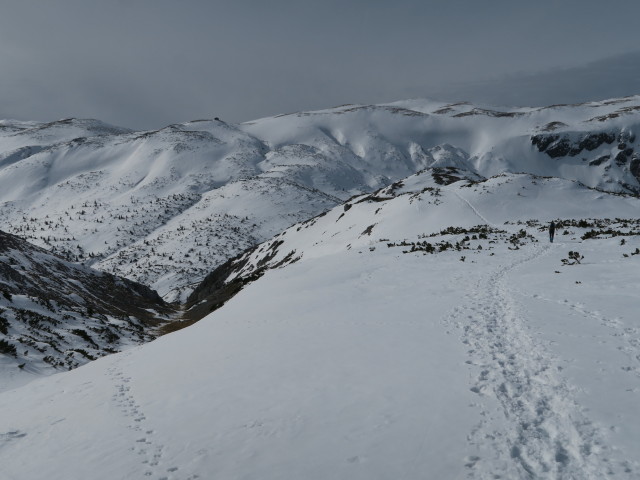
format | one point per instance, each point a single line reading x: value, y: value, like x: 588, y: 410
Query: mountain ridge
x: 125, y: 201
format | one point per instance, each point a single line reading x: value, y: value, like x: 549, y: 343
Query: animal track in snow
x: 143, y: 443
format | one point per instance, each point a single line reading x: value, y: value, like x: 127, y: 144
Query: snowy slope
x: 419, y: 207
x: 16, y: 135
x: 493, y: 140
x: 113, y: 197
x: 427, y: 330
x: 126, y: 202
x: 56, y: 315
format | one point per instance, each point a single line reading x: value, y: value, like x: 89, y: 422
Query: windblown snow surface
x: 387, y: 346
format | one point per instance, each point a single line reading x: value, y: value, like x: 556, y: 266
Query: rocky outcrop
x: 634, y: 166
x: 556, y: 145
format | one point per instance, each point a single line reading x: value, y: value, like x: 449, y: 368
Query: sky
x: 145, y: 64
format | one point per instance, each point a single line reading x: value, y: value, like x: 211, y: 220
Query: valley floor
x: 370, y: 364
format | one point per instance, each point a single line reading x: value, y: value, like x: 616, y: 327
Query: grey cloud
x: 148, y: 63
x: 617, y: 76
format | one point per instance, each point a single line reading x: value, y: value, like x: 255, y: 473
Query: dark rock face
x: 599, y: 160
x: 543, y: 141
x: 446, y: 175
x: 621, y: 158
x: 561, y: 148
x: 594, y: 140
x: 634, y: 167
x: 556, y: 146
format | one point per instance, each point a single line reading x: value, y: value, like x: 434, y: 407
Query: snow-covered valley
x: 56, y: 315
x: 405, y: 317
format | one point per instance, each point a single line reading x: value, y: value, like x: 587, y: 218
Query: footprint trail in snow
x: 531, y: 425
x: 145, y: 445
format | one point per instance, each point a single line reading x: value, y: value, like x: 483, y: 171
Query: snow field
x: 362, y: 364
x: 588, y: 319
x: 328, y: 383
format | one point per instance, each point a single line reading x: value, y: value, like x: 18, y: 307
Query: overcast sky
x: 148, y: 63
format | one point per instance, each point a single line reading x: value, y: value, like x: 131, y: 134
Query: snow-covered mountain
x: 415, y: 214
x: 166, y: 207
x: 427, y: 329
x: 56, y: 315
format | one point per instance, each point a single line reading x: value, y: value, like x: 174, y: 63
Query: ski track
x: 475, y: 210
x: 151, y: 451
x: 531, y: 425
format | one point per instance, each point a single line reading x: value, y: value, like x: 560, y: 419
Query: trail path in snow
x: 531, y: 425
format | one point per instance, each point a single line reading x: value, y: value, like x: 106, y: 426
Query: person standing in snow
x: 552, y: 231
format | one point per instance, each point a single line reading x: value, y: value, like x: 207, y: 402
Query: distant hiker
x: 552, y: 230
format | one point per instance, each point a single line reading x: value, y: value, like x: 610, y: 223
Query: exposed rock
x: 634, y: 167
x: 594, y: 140
x: 599, y: 160
x: 556, y: 146
x: 543, y: 141
x: 447, y: 175
x: 621, y: 158
x: 561, y: 148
